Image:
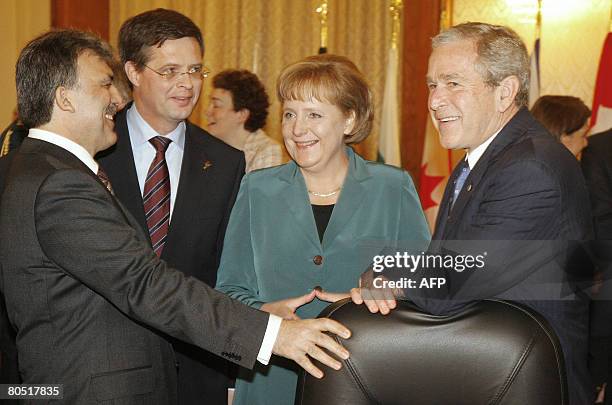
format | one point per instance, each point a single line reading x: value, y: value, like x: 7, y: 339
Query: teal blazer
x: 272, y: 249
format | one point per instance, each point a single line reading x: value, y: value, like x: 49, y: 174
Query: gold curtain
x: 265, y: 35
x: 20, y: 21
x: 571, y: 39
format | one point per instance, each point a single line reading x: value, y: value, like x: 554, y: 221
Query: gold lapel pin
x: 207, y: 164
x: 469, y: 187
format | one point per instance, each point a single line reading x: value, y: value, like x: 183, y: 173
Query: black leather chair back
x: 494, y: 352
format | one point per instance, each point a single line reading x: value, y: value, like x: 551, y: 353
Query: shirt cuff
x: 265, y: 351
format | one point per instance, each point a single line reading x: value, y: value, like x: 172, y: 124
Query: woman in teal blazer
x: 318, y: 220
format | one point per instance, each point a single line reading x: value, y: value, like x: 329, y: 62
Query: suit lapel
x: 194, y: 180
x: 353, y: 193
x: 444, y: 211
x: 118, y: 163
x: 295, y: 196
x: 509, y: 135
x: 73, y: 161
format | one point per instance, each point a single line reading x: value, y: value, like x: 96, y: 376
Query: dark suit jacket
x: 87, y: 294
x: 597, y: 169
x: 9, y: 371
x: 521, y: 202
x: 209, y: 181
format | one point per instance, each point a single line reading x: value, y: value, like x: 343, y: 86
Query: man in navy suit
x: 517, y: 198
x: 162, y: 52
x: 597, y: 168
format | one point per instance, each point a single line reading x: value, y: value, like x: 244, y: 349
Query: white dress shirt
x: 144, y: 152
x: 274, y: 322
x: 65, y: 143
x: 474, y: 156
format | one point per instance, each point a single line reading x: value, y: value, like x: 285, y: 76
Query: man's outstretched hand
x: 377, y: 299
x: 300, y: 339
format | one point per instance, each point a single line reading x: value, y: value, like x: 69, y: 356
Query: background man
x: 597, y: 168
x: 162, y: 53
x: 84, y: 291
x: 516, y: 186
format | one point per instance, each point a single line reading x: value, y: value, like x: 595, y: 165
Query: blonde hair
x: 333, y: 79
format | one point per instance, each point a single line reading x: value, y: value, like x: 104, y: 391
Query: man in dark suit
x: 516, y: 198
x: 162, y: 53
x: 597, y: 168
x: 85, y: 292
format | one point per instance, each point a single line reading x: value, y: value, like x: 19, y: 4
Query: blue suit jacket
x: 523, y: 200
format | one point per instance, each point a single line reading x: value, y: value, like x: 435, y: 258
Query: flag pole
x: 389, y: 135
x: 534, y: 62
x: 539, y: 20
x: 395, y: 9
x: 322, y: 11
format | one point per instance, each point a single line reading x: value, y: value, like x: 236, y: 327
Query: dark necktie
x: 460, y: 181
x: 156, y: 195
x: 104, y: 179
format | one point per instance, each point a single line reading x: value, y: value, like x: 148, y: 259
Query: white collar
x: 474, y: 156
x: 65, y: 143
x: 144, y: 132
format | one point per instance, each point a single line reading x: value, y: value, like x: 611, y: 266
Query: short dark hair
x: 153, y: 28
x: 247, y: 92
x: 561, y: 115
x: 48, y: 62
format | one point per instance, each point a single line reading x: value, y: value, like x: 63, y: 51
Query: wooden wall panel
x: 421, y: 23
x: 88, y: 15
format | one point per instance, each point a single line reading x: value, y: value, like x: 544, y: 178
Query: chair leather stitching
x: 352, y: 368
x: 552, y: 340
x: 515, y: 370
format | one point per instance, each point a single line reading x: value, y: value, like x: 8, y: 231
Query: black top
x: 322, y: 213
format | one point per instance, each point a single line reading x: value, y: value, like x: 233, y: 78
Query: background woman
x: 237, y: 113
x: 565, y: 117
x: 318, y: 220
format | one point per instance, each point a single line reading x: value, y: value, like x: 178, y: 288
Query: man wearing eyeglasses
x: 175, y: 178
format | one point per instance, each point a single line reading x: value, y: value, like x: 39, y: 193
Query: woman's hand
x: 286, y: 308
x: 330, y: 296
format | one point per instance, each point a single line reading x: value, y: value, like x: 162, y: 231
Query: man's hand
x: 286, y: 308
x: 302, y: 338
x: 376, y: 299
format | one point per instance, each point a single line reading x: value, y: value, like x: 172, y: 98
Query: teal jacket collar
x: 358, y: 169
x: 351, y: 196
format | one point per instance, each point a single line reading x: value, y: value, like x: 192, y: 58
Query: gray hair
x: 501, y: 53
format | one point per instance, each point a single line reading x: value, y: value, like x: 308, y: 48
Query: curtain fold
x: 21, y: 20
x: 265, y: 35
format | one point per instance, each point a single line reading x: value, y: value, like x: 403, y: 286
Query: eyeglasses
x: 170, y: 74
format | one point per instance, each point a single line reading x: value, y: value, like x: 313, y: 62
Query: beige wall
x: 20, y: 21
x: 265, y: 35
x: 573, y: 32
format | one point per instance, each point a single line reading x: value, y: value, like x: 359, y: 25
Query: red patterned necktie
x: 104, y: 179
x: 156, y: 195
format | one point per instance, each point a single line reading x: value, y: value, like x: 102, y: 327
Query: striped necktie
x: 156, y: 195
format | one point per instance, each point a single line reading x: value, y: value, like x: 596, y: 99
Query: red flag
x: 436, y: 166
x: 601, y: 120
